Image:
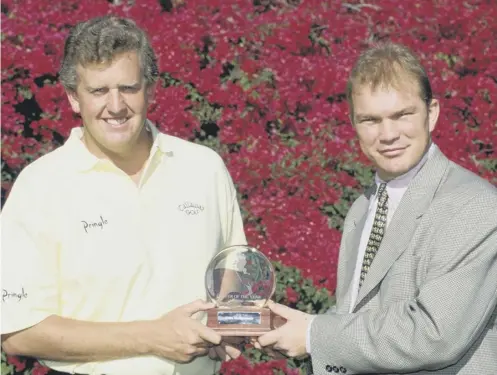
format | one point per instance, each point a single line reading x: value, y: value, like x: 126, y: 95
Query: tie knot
x: 382, y: 195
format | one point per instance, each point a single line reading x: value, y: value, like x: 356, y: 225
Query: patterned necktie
x: 379, y: 226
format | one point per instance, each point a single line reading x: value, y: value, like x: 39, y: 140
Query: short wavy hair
x: 387, y: 65
x: 99, y: 40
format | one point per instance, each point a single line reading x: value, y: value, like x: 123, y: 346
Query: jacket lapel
x: 414, y: 203
x: 349, y: 253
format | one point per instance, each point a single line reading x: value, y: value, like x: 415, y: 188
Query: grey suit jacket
x: 429, y: 301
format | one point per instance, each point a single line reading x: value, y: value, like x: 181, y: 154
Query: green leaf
x: 6, y: 368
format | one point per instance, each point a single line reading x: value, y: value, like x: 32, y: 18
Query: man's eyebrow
x: 134, y: 85
x: 363, y: 116
x: 404, y: 110
x: 91, y: 88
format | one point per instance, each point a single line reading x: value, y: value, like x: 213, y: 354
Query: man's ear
x: 73, y: 100
x: 351, y: 113
x: 433, y: 112
x: 151, y: 87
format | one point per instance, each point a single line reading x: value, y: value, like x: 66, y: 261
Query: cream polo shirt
x: 81, y: 240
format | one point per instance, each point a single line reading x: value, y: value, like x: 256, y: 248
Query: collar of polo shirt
x: 83, y: 160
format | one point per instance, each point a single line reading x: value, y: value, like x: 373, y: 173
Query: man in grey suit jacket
x: 417, y: 271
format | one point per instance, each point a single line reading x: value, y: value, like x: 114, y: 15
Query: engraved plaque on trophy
x: 240, y: 280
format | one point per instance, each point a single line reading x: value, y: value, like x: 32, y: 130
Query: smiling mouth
x: 392, y: 151
x: 116, y: 121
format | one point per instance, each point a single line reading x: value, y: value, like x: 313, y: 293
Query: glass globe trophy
x: 240, y: 280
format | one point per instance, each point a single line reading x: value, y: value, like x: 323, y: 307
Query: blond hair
x: 388, y: 65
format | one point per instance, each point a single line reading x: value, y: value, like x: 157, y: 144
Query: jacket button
x: 335, y: 369
x: 329, y: 368
x: 343, y: 370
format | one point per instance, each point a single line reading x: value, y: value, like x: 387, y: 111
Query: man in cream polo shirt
x: 105, y: 240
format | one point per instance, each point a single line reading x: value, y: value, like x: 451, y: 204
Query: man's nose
x: 389, y: 131
x: 115, y: 102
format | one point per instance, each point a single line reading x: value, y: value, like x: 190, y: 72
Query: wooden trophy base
x: 243, y: 321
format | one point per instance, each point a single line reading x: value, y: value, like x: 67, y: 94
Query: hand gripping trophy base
x: 243, y: 321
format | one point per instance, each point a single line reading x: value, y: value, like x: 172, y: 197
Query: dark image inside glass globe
x: 240, y: 276
x: 240, y: 280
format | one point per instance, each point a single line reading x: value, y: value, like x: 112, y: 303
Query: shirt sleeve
x: 231, y: 217
x: 29, y: 258
x: 236, y: 233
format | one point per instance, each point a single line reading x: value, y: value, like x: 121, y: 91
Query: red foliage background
x: 263, y: 83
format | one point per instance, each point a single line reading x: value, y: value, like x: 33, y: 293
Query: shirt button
x: 329, y: 368
x: 343, y: 369
x: 335, y: 369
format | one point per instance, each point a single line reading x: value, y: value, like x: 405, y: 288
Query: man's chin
x: 118, y: 147
x: 391, y: 172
